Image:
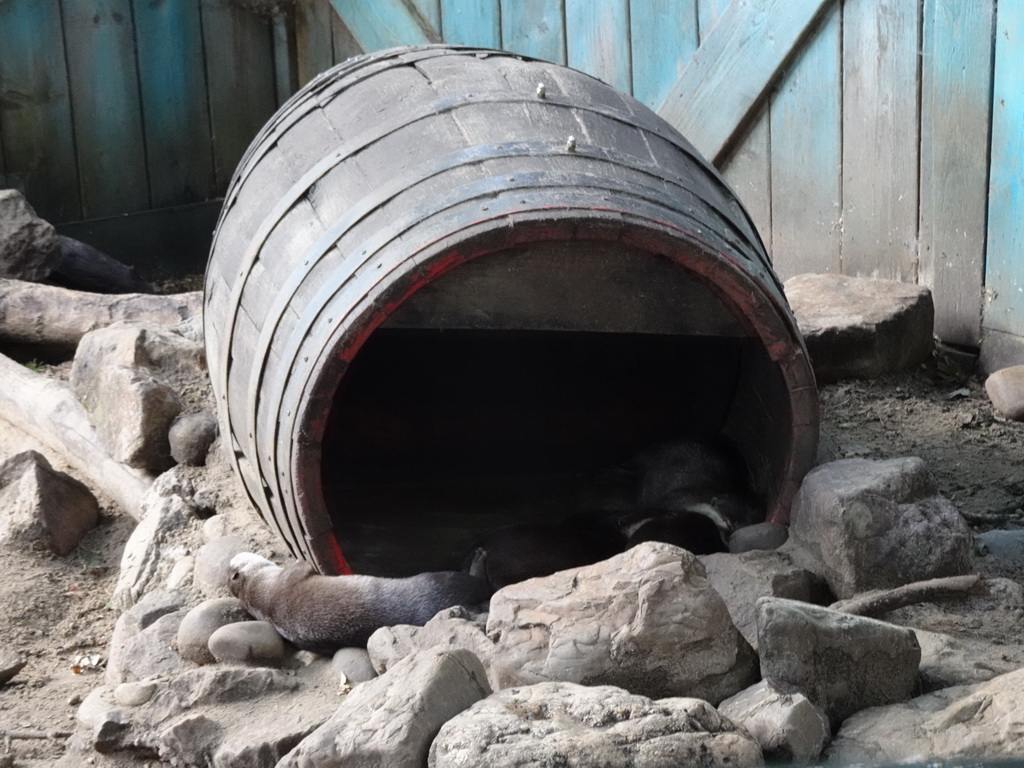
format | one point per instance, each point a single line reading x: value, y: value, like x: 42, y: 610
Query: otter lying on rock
x: 324, y: 613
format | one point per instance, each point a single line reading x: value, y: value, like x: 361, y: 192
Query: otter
x: 324, y: 613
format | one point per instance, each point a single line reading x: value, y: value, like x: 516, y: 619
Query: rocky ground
x: 56, y: 612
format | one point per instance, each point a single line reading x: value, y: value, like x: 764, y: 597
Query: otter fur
x: 324, y: 613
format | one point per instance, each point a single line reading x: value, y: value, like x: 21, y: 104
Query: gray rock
x: 1005, y: 389
x: 134, y: 694
x: 190, y: 740
x: 389, y: 722
x: 860, y: 327
x: 353, y: 665
x: 878, y: 524
x: 150, y: 652
x: 201, y: 622
x: 38, y: 503
x: 1002, y: 552
x: 947, y: 661
x: 191, y: 436
x: 149, y: 609
x: 28, y: 244
x: 551, y: 724
x: 449, y: 629
x: 212, y: 561
x: 842, y: 663
x: 760, y: 536
x: 647, y: 621
x: 248, y: 642
x: 744, y: 578
x: 787, y: 726
x: 106, y: 723
x: 10, y: 665
x: 977, y: 722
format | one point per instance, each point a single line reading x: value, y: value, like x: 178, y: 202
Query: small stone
x: 10, y: 665
x: 191, y: 436
x: 215, y: 527
x: 1005, y: 389
x: 354, y: 664
x: 212, y: 565
x: 760, y: 536
x: 134, y: 694
x: 248, y: 642
x: 28, y: 244
x: 180, y: 576
x: 201, y: 622
x: 787, y: 726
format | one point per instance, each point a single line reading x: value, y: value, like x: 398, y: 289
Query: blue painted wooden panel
x: 534, y: 28
x: 956, y: 83
x: 1004, y: 310
x: 174, y: 101
x: 597, y: 40
x: 471, y: 22
x: 106, y: 107
x: 708, y: 14
x: 430, y: 11
x: 806, y: 156
x: 35, y: 108
x: 663, y: 37
x: 383, y: 24
x: 345, y: 44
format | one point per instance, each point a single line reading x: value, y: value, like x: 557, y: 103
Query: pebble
x: 191, y: 436
x: 248, y: 642
x: 201, y: 622
x: 10, y: 665
x: 134, y: 694
x: 760, y: 536
x: 1005, y: 389
x: 354, y: 664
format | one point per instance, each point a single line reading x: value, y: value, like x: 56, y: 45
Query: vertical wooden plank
x: 880, y: 139
x: 806, y: 155
x: 176, y: 117
x: 35, y: 108
x: 100, y: 45
x: 430, y: 10
x: 956, y: 83
x: 384, y: 23
x: 708, y: 13
x: 314, y: 47
x: 240, y: 77
x: 345, y: 45
x: 471, y: 22
x: 534, y: 28
x: 747, y: 169
x: 1004, y: 274
x: 286, y: 72
x: 597, y: 40
x: 663, y: 37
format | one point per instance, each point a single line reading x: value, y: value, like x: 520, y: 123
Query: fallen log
x: 32, y: 313
x: 46, y: 410
x: 878, y: 602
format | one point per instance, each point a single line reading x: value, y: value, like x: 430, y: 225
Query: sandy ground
x: 55, y: 611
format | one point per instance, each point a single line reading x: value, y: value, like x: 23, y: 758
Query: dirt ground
x: 55, y: 613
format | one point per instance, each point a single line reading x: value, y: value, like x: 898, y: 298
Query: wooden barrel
x: 448, y: 281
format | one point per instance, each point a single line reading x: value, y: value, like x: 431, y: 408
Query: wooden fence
x: 868, y: 137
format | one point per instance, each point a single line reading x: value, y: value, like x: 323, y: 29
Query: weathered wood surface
x: 385, y: 24
x: 31, y: 313
x: 663, y: 37
x: 534, y: 28
x: 1004, y: 283
x: 597, y: 37
x: 46, y: 410
x: 471, y: 22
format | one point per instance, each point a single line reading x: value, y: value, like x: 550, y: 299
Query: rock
x: 877, y: 524
x: 248, y: 642
x: 390, y: 721
x: 180, y: 577
x: 81, y: 267
x: 947, y: 661
x: 556, y: 724
x: 38, y: 503
x: 144, y: 613
x: 860, y: 327
x: 201, y: 622
x: 1005, y: 389
x: 10, y: 665
x: 143, y: 562
x: 742, y: 579
x: 647, y: 621
x: 842, y: 663
x: 212, y: 561
x: 150, y: 652
x: 760, y: 536
x: 134, y: 694
x: 353, y: 665
x: 28, y: 245
x: 451, y: 628
x: 1003, y: 552
x: 191, y: 436
x: 788, y: 727
x: 106, y: 723
x: 977, y: 722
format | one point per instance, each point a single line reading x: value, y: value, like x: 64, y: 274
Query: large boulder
x: 870, y: 524
x: 551, y: 724
x: 842, y: 663
x: 40, y: 504
x: 390, y: 721
x: 977, y: 722
x: 861, y: 327
x: 28, y: 244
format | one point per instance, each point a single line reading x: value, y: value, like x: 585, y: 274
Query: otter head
x: 242, y: 567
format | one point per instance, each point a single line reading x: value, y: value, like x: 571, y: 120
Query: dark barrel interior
x: 433, y: 316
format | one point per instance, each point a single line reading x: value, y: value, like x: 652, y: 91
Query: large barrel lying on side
x: 447, y: 283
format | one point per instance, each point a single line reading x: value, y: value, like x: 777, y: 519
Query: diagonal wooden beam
x: 379, y: 24
x: 736, y: 63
